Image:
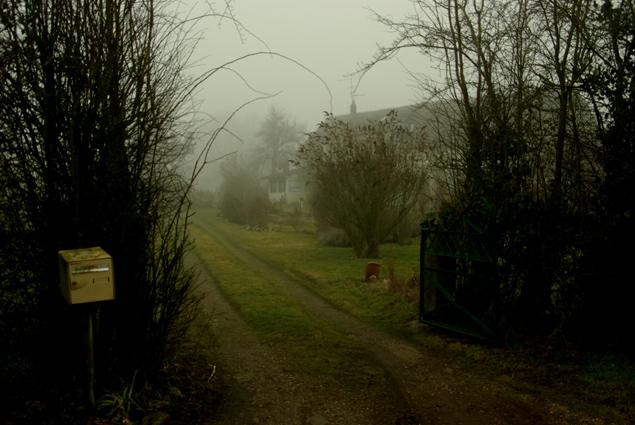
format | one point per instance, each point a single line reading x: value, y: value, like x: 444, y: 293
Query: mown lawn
x: 331, y: 272
x: 311, y: 346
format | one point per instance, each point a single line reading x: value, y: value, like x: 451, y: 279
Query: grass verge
x: 333, y: 273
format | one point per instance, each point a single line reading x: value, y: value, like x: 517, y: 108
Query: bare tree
x: 511, y: 68
x: 93, y: 119
x: 513, y: 128
x: 279, y: 139
x: 563, y: 63
x: 611, y: 86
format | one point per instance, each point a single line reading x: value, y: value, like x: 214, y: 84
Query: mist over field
x: 326, y: 44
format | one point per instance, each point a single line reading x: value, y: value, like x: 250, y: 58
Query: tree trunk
x: 372, y: 249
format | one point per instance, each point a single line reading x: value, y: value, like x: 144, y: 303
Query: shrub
x: 97, y: 168
x: 364, y: 180
x: 331, y: 236
x: 242, y: 199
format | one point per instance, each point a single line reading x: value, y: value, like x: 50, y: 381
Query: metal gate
x: 457, y: 278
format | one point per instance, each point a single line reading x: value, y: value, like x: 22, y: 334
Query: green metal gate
x: 457, y: 278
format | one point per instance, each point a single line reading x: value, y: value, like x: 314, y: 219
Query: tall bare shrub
x: 514, y: 133
x: 364, y: 180
x: 92, y: 106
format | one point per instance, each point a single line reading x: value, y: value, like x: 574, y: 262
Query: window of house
x: 282, y: 185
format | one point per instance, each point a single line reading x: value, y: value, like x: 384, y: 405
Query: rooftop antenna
x: 353, y: 94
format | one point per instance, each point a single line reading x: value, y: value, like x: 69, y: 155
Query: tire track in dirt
x: 259, y: 388
x: 432, y: 389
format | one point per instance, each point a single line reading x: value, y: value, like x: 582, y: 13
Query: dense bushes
x: 534, y: 133
x: 90, y: 102
x: 242, y: 198
x: 366, y: 179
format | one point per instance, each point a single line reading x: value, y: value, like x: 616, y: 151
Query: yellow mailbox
x: 86, y: 275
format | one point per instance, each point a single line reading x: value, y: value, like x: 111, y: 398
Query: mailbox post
x: 86, y: 277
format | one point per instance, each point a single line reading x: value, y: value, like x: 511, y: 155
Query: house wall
x: 289, y: 188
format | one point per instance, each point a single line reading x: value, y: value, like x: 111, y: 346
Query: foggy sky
x: 330, y: 37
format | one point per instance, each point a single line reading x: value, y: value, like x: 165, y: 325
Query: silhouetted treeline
x: 536, y: 144
x: 90, y: 99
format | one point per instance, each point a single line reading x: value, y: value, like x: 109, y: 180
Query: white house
x: 286, y: 186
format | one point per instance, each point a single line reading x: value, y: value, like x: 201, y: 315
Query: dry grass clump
x: 408, y: 287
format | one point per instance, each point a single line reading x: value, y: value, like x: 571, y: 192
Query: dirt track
x: 419, y: 386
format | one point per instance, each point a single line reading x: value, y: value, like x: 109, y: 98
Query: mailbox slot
x: 86, y: 275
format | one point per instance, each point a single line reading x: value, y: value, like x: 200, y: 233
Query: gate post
x: 427, y: 261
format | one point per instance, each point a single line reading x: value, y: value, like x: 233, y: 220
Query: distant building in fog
x: 411, y: 116
x: 288, y: 184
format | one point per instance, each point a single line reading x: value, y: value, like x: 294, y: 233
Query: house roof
x: 414, y: 116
